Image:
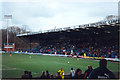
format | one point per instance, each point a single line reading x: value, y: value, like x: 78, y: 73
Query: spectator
x: 51, y: 76
x: 61, y: 73
x: 72, y: 72
x: 27, y: 75
x: 88, y: 71
x: 47, y: 74
x: 101, y: 72
x: 30, y: 74
x: 78, y: 74
x: 58, y: 76
x: 43, y: 75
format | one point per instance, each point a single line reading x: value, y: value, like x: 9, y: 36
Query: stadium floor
x: 14, y: 66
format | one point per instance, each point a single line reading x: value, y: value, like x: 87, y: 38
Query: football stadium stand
x: 98, y: 39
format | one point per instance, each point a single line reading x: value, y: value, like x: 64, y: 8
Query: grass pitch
x: 14, y: 66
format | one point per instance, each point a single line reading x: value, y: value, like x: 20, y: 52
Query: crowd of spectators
x: 78, y: 48
x: 99, y: 73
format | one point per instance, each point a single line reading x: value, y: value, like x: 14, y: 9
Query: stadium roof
x: 109, y: 20
x: 105, y: 30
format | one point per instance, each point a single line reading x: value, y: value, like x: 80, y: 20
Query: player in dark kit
x: 77, y: 57
x: 10, y: 53
x: 101, y: 72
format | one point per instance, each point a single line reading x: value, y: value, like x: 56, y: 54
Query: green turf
x: 14, y: 66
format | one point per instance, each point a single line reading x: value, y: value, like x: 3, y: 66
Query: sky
x: 49, y: 14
